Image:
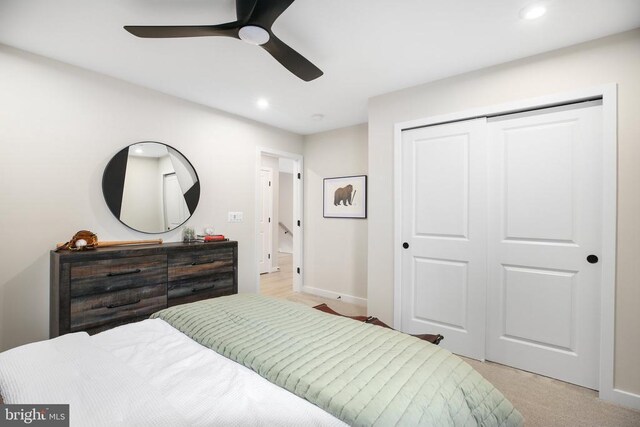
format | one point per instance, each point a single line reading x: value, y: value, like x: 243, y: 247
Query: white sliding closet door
x: 545, y: 182
x: 444, y: 234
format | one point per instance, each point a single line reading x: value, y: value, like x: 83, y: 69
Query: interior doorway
x: 278, y: 222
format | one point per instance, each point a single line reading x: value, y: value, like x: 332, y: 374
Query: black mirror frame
x: 113, y: 188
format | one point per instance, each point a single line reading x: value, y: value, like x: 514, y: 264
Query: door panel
x: 442, y: 182
x: 538, y: 167
x: 544, y: 220
x: 444, y: 223
x: 175, y: 208
x: 264, y: 230
x: 448, y: 280
x: 538, y: 305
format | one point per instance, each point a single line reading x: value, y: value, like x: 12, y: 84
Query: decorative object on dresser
x: 188, y: 234
x: 97, y: 290
x: 151, y: 187
x: 85, y: 239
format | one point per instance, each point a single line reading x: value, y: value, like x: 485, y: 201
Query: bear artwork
x: 344, y: 195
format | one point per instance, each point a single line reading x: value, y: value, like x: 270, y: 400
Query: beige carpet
x: 544, y: 402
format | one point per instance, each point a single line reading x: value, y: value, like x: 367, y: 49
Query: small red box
x: 216, y: 238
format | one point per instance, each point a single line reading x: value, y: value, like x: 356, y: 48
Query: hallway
x: 280, y: 285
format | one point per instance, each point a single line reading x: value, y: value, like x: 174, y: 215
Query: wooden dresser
x: 99, y: 289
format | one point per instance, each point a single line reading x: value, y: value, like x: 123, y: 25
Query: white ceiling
x: 364, y: 47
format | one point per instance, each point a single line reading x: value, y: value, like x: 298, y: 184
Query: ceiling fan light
x: 254, y: 35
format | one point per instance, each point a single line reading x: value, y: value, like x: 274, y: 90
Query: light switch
x: 235, y: 217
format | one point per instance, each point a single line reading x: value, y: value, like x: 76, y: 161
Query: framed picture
x: 345, y: 197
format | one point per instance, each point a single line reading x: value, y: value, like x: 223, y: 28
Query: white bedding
x: 148, y: 373
x: 100, y: 389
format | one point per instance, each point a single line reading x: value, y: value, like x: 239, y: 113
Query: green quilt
x: 362, y: 374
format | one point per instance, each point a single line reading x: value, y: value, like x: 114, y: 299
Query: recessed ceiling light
x: 533, y: 11
x: 262, y: 103
x: 138, y: 150
x: 317, y: 117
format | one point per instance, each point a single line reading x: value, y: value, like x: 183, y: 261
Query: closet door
x: 545, y: 182
x: 444, y: 234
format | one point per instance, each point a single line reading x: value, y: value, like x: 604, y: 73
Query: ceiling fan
x: 255, y: 18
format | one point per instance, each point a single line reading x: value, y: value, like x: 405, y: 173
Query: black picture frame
x: 345, y: 197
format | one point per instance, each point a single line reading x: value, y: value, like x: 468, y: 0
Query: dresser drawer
x: 114, y: 274
x: 91, y: 311
x: 186, y: 266
x: 218, y: 281
x: 216, y: 287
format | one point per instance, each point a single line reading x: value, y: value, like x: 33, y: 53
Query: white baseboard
x: 622, y: 398
x: 335, y: 295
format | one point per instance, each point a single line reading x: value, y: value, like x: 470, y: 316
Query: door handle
x: 592, y: 259
x: 194, y: 290
x: 202, y: 263
x: 405, y: 245
x: 123, y: 304
x: 124, y: 273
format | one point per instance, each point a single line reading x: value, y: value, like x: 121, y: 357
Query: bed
x: 247, y: 360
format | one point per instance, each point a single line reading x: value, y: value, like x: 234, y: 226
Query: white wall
x: 285, y: 211
x: 335, y: 249
x: 613, y: 59
x: 59, y: 126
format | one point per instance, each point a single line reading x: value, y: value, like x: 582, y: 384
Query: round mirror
x: 151, y: 187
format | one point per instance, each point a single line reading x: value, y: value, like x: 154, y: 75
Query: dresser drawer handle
x: 202, y: 289
x: 201, y: 263
x: 123, y: 273
x: 123, y: 304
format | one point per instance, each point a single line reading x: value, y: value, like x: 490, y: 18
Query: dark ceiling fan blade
x: 267, y: 11
x: 244, y: 9
x: 251, y: 14
x: 292, y: 60
x: 229, y: 29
